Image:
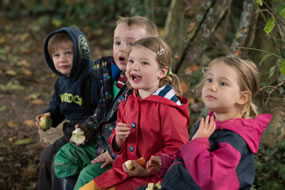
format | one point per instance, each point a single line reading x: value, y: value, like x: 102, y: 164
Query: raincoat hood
x: 250, y: 130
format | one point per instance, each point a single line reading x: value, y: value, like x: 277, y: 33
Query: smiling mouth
x: 135, y: 77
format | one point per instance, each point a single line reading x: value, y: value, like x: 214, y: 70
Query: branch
x: 244, y: 26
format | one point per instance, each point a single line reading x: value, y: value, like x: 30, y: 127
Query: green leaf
x: 23, y: 141
x: 259, y: 2
x: 3, y: 108
x: 265, y: 57
x: 271, y: 71
x: 282, y: 171
x: 282, y: 12
x: 269, y: 26
x: 282, y: 67
x: 56, y: 22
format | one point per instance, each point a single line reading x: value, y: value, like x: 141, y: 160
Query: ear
x: 163, y: 72
x: 244, y: 97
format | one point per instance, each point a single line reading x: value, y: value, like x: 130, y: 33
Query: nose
x: 63, y: 58
x: 135, y: 66
x: 123, y: 47
x: 212, y: 86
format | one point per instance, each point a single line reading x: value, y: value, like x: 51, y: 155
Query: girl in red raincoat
x: 153, y: 119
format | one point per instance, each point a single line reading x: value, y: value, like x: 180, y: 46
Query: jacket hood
x: 82, y: 62
x: 166, y: 95
x: 250, y: 130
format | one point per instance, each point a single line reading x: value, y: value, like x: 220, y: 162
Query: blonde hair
x: 150, y: 27
x: 58, y: 39
x: 248, y: 80
x: 163, y: 57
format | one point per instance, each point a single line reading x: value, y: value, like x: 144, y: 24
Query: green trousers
x: 73, y: 160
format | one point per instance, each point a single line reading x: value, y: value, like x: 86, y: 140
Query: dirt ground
x: 26, y: 85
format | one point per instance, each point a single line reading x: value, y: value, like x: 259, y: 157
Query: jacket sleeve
x: 211, y: 169
x: 119, y: 119
x: 54, y: 109
x: 166, y: 162
x: 174, y: 129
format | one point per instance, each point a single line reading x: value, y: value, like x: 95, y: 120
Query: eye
x: 55, y: 55
x: 131, y: 61
x: 223, y: 83
x: 209, y: 80
x: 117, y: 43
x: 145, y: 63
x: 68, y: 53
x: 130, y: 43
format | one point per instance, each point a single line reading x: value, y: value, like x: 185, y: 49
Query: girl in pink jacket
x: 220, y: 155
x: 153, y: 119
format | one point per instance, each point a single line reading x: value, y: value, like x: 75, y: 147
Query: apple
x: 129, y: 164
x: 45, y: 122
x: 141, y: 161
x: 78, y: 136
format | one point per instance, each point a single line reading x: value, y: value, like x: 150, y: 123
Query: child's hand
x: 104, y: 157
x: 137, y: 170
x: 38, y: 119
x: 122, y: 131
x: 154, y: 164
x: 206, y: 129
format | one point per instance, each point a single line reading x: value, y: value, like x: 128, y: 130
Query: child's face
x: 143, y: 71
x: 124, y: 37
x: 221, y: 91
x: 62, y: 58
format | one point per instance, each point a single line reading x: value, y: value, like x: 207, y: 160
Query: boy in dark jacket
x: 71, y: 159
x: 67, y: 53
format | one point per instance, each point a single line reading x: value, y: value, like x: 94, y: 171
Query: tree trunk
x: 197, y: 44
x: 173, y: 24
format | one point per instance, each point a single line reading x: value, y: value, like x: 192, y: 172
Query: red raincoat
x: 158, y: 126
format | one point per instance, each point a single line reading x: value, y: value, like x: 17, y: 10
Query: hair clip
x: 160, y: 52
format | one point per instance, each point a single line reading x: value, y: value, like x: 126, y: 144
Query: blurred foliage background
x: 197, y: 31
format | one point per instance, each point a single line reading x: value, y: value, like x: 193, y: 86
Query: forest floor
x: 26, y: 85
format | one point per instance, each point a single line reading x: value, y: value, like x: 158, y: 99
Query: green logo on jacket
x: 69, y: 98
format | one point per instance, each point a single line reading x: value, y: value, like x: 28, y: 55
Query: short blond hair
x: 150, y: 27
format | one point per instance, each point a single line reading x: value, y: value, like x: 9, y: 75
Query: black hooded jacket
x: 69, y: 103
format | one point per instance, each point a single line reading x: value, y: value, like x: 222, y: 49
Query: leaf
x: 38, y: 102
x: 57, y: 23
x: 29, y: 123
x: 282, y: 12
x: 26, y: 71
x: 282, y: 67
x: 23, y: 141
x: 11, y: 72
x: 184, y: 87
x: 12, y: 124
x: 269, y: 26
x: 271, y: 71
x: 24, y: 63
x: 14, y: 85
x: 259, y: 2
x: 32, y: 96
x: 264, y: 58
x: 3, y: 108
